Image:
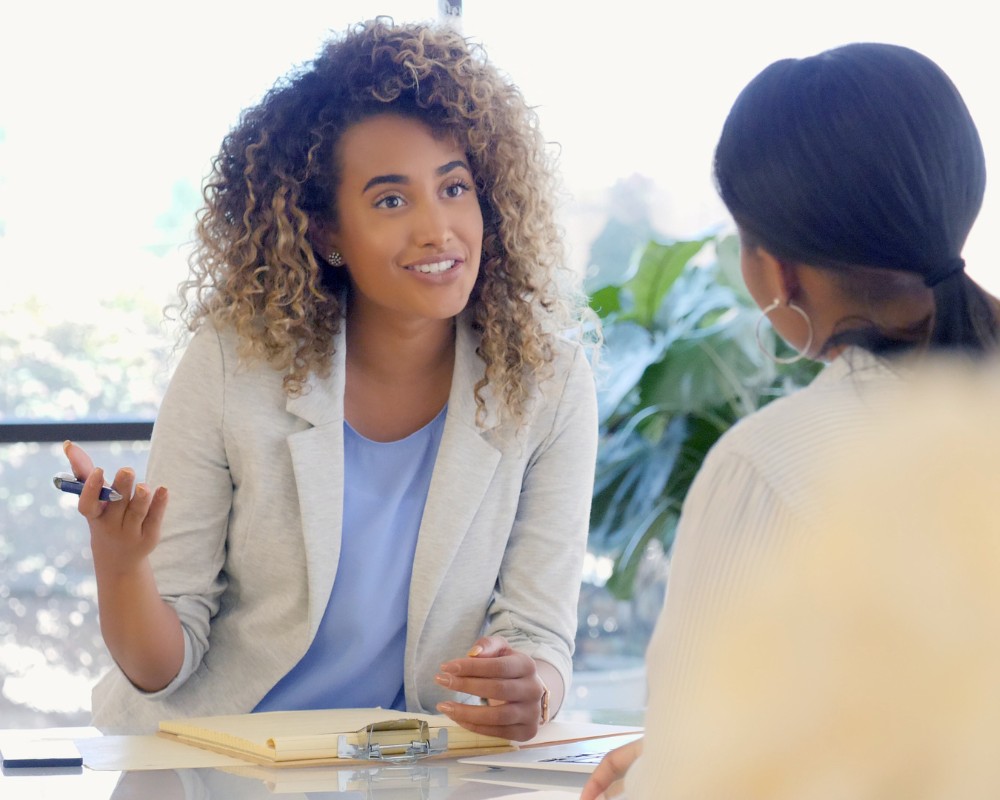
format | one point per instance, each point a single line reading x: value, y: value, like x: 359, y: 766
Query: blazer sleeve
x: 535, y: 602
x: 188, y: 457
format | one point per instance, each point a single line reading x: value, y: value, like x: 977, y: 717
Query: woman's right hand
x: 605, y: 780
x: 142, y: 632
x: 122, y: 532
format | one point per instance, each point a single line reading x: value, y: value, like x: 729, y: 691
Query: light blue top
x: 356, y: 659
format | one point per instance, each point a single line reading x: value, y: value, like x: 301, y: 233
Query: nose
x: 432, y: 226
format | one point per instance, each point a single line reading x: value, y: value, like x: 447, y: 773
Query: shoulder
x: 787, y: 440
x: 211, y: 362
x: 570, y: 364
x: 565, y: 386
x: 210, y: 344
x: 837, y: 401
x: 566, y: 378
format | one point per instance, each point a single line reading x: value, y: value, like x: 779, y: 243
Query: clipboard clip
x: 397, y: 740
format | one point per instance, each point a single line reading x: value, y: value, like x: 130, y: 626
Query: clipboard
x: 331, y: 737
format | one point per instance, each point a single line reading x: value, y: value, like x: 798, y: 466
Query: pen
x: 68, y: 483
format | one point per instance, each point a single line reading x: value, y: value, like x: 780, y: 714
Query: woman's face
x: 410, y: 227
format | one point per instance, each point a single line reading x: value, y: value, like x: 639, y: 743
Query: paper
x: 556, y: 731
x: 130, y: 753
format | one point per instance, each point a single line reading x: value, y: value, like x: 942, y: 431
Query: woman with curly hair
x: 379, y: 442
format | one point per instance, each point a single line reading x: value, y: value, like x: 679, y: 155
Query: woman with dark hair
x: 379, y: 441
x: 854, y: 177
x: 862, y: 168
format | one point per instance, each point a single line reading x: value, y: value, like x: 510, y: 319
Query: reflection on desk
x: 412, y: 782
x: 443, y: 779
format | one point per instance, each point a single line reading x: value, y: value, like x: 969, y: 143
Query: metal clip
x: 396, y: 740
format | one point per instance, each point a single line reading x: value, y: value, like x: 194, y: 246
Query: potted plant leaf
x: 681, y: 364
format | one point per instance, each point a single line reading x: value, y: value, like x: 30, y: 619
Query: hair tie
x: 945, y: 271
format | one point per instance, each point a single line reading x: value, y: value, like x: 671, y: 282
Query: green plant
x: 680, y: 366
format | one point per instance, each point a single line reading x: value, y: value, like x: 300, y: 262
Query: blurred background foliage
x: 110, y: 363
x: 680, y: 366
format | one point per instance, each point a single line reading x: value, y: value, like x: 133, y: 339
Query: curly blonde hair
x: 255, y: 269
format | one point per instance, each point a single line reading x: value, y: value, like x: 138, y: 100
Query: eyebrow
x: 396, y: 178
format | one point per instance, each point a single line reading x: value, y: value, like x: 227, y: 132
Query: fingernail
x: 451, y: 667
x: 98, y: 475
x: 475, y: 651
x: 444, y: 680
x: 445, y: 708
x: 66, y: 446
x: 141, y: 490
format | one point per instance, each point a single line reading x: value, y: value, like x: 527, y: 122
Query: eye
x: 389, y: 201
x: 457, y: 189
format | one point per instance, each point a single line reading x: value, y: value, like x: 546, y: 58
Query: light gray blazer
x: 251, y: 537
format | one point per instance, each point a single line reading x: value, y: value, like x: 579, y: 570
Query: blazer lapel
x: 462, y: 474
x: 318, y: 462
x: 458, y: 485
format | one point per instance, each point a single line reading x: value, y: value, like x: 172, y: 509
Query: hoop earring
x: 335, y: 259
x: 798, y: 310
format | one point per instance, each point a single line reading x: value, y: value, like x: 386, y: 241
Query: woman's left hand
x: 506, y: 678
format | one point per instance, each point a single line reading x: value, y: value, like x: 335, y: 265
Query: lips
x: 433, y: 268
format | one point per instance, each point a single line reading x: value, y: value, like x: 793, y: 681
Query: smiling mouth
x: 433, y: 269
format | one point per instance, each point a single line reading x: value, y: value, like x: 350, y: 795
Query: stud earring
x: 335, y: 259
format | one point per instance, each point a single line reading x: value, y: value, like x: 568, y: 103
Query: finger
x: 507, y: 667
x: 124, y: 480
x: 154, y: 517
x: 90, y: 504
x: 489, y: 647
x: 115, y: 510
x: 517, y: 690
x: 138, y: 506
x: 79, y: 461
x: 611, y: 771
x: 510, y: 721
x: 600, y: 779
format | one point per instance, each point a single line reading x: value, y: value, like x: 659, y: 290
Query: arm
x: 143, y: 634
x: 531, y: 621
x: 179, y: 579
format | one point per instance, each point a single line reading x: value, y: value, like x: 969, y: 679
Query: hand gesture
x: 506, y: 679
x: 142, y: 632
x: 123, y: 532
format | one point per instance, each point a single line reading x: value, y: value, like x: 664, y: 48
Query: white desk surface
x: 191, y: 774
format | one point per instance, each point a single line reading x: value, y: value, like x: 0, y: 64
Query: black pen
x: 68, y: 483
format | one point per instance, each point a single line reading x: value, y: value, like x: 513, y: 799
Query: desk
x: 439, y: 779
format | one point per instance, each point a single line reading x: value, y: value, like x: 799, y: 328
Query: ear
x: 773, y: 277
x: 323, y: 239
x: 789, y: 282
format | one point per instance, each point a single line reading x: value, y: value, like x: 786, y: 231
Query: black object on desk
x: 41, y: 753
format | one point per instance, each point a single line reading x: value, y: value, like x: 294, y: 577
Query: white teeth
x: 440, y: 266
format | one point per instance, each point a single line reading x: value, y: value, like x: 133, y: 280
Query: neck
x: 399, y: 372
x: 893, y: 302
x: 394, y: 350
